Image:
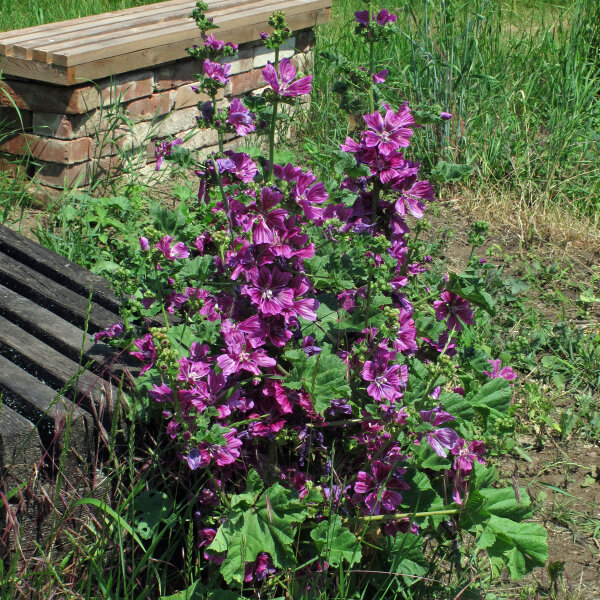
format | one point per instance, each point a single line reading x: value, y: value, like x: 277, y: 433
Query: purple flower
x: 386, y: 381
x: 114, y: 331
x: 179, y: 250
x: 380, y: 492
x: 362, y: 17
x: 455, y: 308
x: 270, y: 292
x: 144, y: 243
x: 380, y: 77
x: 165, y: 149
x: 240, y: 117
x: 443, y: 439
x: 384, y: 17
x: 147, y: 352
x: 216, y: 71
x: 259, y: 569
x: 222, y: 454
x: 446, y: 116
x: 284, y: 84
x: 466, y: 454
x: 213, y: 43
x: 406, y: 333
x: 506, y: 372
x: 390, y: 132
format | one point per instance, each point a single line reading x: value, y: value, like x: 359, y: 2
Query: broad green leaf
x: 407, y: 558
x: 197, y: 269
x: 323, y: 376
x: 259, y: 523
x: 151, y: 507
x: 504, y: 503
x: 335, y: 543
x: 522, y: 546
x: 492, y: 400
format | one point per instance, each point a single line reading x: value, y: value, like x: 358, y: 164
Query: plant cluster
x: 310, y: 367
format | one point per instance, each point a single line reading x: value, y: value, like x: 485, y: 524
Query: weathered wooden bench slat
x: 65, y: 271
x: 25, y: 350
x: 19, y: 446
x: 49, y: 411
x: 104, y: 45
x: 62, y: 335
x: 41, y: 44
x: 52, y: 295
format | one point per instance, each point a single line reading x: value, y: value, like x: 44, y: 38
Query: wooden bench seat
x: 74, y: 51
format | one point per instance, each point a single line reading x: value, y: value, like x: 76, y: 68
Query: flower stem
x: 273, y: 125
x: 371, y: 63
x: 219, y: 132
x: 416, y: 515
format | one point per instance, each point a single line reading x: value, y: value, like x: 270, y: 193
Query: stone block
x: 185, y: 96
x: 242, y: 62
x: 305, y: 40
x: 49, y: 149
x: 60, y: 176
x: 263, y: 55
x: 245, y: 82
x: 177, y: 121
x: 176, y: 74
x: 150, y: 107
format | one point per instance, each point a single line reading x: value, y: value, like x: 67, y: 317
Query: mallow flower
x: 283, y: 83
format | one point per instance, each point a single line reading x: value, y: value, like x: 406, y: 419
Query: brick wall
x: 74, y: 134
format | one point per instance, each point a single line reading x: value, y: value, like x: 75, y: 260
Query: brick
x: 49, y: 149
x: 114, y: 166
x: 305, y: 40
x: 242, y: 62
x: 177, y: 121
x: 199, y: 138
x: 28, y: 95
x: 124, y: 139
x: 150, y: 107
x: 303, y: 63
x: 185, y: 96
x: 245, y: 82
x: 59, y: 176
x: 12, y: 119
x: 263, y: 55
x: 176, y: 74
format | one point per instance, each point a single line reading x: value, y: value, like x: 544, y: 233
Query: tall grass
x: 522, y: 81
x: 17, y: 14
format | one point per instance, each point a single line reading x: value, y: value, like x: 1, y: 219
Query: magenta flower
x: 147, y: 352
x: 165, y: 149
x: 222, y: 455
x: 380, y: 492
x: 390, y: 132
x: 213, y: 43
x: 270, y: 292
x: 455, y: 308
x: 446, y: 116
x: 239, y: 358
x: 443, y: 439
x: 380, y: 77
x: 259, y: 569
x: 505, y: 372
x: 467, y: 454
x: 144, y: 243
x: 384, y: 17
x: 179, y: 250
x: 216, y: 71
x: 240, y: 117
x: 386, y: 381
x: 406, y: 333
x: 284, y: 84
x: 114, y: 331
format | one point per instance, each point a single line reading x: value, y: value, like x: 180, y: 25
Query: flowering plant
x: 306, y: 366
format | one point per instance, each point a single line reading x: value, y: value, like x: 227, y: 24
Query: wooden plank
x: 60, y: 269
x: 62, y: 335
x: 105, y: 46
x: 87, y: 390
x: 42, y: 46
x: 53, y: 296
x: 56, y: 418
x: 28, y: 69
x: 163, y: 54
x: 12, y: 42
x: 19, y: 447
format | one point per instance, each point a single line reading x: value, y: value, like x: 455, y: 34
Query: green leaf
x: 197, y: 591
x: 323, y: 376
x: 168, y: 221
x: 521, y: 546
x: 504, y: 503
x: 259, y: 522
x: 335, y: 543
x: 198, y: 269
x: 492, y: 400
x: 153, y: 508
x: 407, y: 558
x: 449, y: 172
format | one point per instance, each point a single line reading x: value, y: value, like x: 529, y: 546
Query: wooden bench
x: 89, y: 48
x: 58, y: 387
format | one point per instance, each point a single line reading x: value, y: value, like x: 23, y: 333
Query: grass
x: 18, y: 14
x: 521, y: 79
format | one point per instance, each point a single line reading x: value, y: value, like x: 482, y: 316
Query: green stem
x: 416, y: 515
x: 219, y: 132
x: 223, y: 196
x: 371, y: 64
x: 273, y: 126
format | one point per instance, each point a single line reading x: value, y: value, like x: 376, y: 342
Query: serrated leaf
x: 152, y: 507
x: 407, y: 558
x: 492, y: 400
x: 504, y: 503
x: 259, y: 522
x: 335, y: 543
x: 522, y: 546
x: 323, y: 376
x: 197, y: 269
